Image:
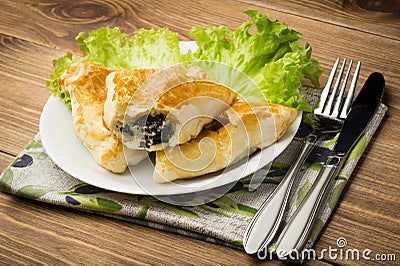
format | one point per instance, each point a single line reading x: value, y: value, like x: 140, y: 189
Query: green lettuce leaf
x: 60, y: 65
x: 146, y: 49
x: 271, y: 57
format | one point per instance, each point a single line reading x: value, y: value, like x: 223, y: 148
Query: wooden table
x: 33, y: 33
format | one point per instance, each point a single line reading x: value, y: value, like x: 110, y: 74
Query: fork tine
x: 339, y: 99
x: 328, y: 107
x: 327, y: 88
x: 350, y: 95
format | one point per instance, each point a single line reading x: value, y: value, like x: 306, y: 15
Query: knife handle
x: 298, y: 230
x: 264, y: 225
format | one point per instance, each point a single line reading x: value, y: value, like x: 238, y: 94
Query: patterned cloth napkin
x: 34, y: 175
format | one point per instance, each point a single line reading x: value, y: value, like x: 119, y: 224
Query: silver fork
x: 263, y: 227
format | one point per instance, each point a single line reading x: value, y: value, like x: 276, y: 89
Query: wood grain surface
x: 36, y: 32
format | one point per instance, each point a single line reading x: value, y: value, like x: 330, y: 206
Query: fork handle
x: 298, y: 230
x: 264, y: 225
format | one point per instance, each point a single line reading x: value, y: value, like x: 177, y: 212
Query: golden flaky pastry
x: 170, y: 108
x: 249, y: 127
x: 86, y: 83
x: 121, y: 86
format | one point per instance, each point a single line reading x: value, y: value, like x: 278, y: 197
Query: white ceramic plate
x: 68, y: 152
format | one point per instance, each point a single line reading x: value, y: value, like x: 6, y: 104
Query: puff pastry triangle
x: 249, y: 126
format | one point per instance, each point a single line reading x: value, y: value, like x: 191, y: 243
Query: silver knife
x: 298, y: 229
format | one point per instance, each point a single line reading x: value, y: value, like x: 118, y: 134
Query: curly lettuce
x: 60, y: 65
x: 146, y: 49
x: 271, y: 57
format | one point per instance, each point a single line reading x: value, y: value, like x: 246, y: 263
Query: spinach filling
x: 155, y: 129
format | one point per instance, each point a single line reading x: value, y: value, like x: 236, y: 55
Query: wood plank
x: 376, y: 17
x: 25, y: 66
x: 365, y: 231
x: 5, y: 160
x: 68, y: 19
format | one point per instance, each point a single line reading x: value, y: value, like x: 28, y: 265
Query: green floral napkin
x: 34, y: 175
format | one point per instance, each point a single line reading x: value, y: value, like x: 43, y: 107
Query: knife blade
x: 295, y: 235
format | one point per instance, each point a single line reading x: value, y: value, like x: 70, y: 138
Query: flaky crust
x: 85, y: 82
x: 250, y: 126
x: 209, y: 152
x: 259, y: 115
x: 193, y: 89
x: 121, y: 86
